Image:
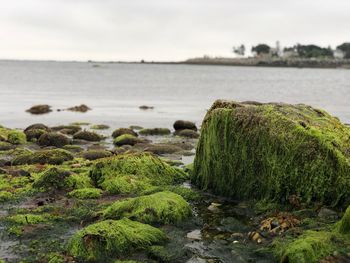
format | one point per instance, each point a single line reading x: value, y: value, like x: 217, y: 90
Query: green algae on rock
x: 88, y: 136
x: 121, y: 131
x: 104, y: 240
x: 53, y: 139
x: 162, y: 207
x: 343, y: 226
x: 134, y: 171
x: 96, y: 154
x: 272, y: 151
x: 55, y: 156
x: 52, y: 179
x: 13, y: 136
x: 86, y: 193
x: 126, y: 139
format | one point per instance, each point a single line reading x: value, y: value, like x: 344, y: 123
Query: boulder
x: 155, y: 131
x: 55, y: 156
x: 37, y: 126
x: 182, y: 125
x: 34, y: 134
x: 53, y: 139
x: 126, y: 139
x: 273, y: 151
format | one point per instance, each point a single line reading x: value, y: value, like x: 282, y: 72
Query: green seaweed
x: 343, y: 226
x: 126, y: 139
x: 55, y: 156
x: 273, y: 151
x: 155, y: 131
x: 16, y: 137
x: 102, y: 241
x: 162, y: 207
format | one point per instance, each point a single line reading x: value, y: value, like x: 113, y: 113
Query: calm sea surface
x: 115, y: 91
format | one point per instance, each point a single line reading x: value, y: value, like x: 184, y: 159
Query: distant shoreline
x: 240, y: 62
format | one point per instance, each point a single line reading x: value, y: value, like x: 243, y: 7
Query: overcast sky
x: 163, y: 29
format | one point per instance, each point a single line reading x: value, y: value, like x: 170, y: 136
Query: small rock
x: 182, y: 125
x: 145, y: 107
x: 80, y: 108
x: 121, y: 131
x: 214, y: 207
x: 39, y: 109
x: 327, y: 214
x: 195, y: 235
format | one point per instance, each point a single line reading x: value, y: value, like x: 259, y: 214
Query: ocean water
x: 115, y: 91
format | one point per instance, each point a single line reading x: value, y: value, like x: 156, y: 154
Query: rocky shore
x: 255, y: 183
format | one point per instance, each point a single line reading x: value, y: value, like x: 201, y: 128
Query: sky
x: 163, y: 30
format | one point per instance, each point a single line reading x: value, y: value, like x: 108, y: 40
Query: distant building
x: 338, y: 54
x: 290, y: 53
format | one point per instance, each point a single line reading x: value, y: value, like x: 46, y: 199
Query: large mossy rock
x: 162, y: 207
x: 55, y: 156
x: 273, y: 151
x: 109, y: 239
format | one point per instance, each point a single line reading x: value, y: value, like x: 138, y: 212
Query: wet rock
x: 195, y: 235
x: 53, y: 139
x: 87, y: 136
x: 196, y: 259
x: 182, y: 125
x: 155, y: 131
x: 34, y: 134
x: 52, y: 179
x: 55, y: 156
x: 80, y: 108
x: 122, y: 131
x: 187, y: 133
x: 160, y: 148
x: 123, y: 149
x: 231, y: 224
x: 145, y: 107
x: 39, y: 109
x: 327, y: 214
x: 126, y: 139
x: 37, y: 126
x: 67, y: 129
x: 96, y: 154
x: 136, y: 127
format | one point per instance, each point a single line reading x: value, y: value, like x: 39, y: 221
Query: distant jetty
x: 272, y: 62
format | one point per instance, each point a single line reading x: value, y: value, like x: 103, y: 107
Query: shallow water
x: 115, y: 91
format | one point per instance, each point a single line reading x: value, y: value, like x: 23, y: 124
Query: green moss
x: 86, y: 193
x: 311, y: 247
x: 272, y: 151
x: 133, y: 173
x: 88, y: 136
x: 121, y: 131
x: 79, y: 181
x: 161, y: 254
x: 52, y: 179
x: 28, y: 219
x: 5, y: 146
x: 55, y: 258
x: 5, y: 196
x: 155, y: 131
x: 161, y: 207
x: 343, y: 226
x: 55, y: 156
x: 107, y: 239
x: 126, y: 139
x: 96, y: 154
x: 187, y: 193
x: 53, y: 139
x: 16, y: 137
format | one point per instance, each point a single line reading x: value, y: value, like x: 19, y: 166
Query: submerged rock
x: 182, y: 125
x: 162, y: 207
x: 187, y: 133
x: 155, y: 131
x: 39, y: 109
x: 109, y: 239
x: 53, y: 139
x: 272, y: 151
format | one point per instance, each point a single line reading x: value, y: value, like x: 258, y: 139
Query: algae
x: 86, y: 193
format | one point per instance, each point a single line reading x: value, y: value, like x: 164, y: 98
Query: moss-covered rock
x: 52, y: 179
x: 39, y: 109
x: 273, y: 151
x: 5, y: 196
x: 37, y: 126
x: 162, y: 207
x: 88, y: 136
x: 121, y: 131
x: 126, y: 139
x: 343, y: 226
x: 16, y: 137
x: 53, y: 139
x: 155, y: 131
x: 99, y: 127
x: 182, y: 125
x: 134, y: 171
x: 34, y: 134
x: 55, y: 156
x: 96, y: 154
x: 86, y: 193
x: 5, y: 146
x: 159, y: 148
x: 109, y: 239
x: 187, y: 133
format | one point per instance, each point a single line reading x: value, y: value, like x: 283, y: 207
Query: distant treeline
x: 298, y: 51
